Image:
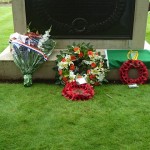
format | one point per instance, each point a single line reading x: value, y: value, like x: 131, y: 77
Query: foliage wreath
x: 133, y: 64
x: 80, y: 60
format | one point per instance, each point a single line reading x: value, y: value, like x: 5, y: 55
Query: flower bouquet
x: 30, y: 51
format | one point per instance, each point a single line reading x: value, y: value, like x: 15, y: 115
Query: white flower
x: 95, y: 71
x: 87, y: 62
x: 85, y: 76
x: 62, y: 65
x: 39, y: 45
x: 68, y: 59
x: 44, y: 38
x: 95, y: 56
x: 98, y: 57
x: 101, y: 76
x: 72, y: 76
x: 47, y: 33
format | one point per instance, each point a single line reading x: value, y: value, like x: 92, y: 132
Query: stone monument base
x: 10, y: 72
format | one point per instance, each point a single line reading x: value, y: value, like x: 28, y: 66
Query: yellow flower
x: 62, y: 65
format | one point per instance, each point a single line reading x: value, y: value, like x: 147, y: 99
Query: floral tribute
x: 77, y: 92
x: 133, y: 64
x: 80, y: 61
x: 30, y: 51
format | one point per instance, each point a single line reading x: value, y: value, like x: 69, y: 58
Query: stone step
x: 9, y: 71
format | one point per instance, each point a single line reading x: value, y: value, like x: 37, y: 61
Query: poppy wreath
x: 133, y: 64
x: 77, y: 92
x: 80, y: 61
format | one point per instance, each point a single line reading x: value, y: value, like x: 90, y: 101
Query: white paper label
x: 81, y: 81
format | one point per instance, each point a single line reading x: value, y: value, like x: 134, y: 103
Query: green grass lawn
x: 6, y: 26
x: 117, y: 118
x: 5, y: 1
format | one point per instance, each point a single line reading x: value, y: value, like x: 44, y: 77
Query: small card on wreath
x: 81, y: 81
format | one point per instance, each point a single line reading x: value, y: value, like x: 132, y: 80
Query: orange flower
x: 92, y: 76
x: 72, y: 67
x: 73, y: 58
x: 93, y: 65
x: 60, y: 72
x: 76, y: 49
x: 63, y: 60
x: 65, y: 79
x: 81, y: 54
x: 90, y: 52
x: 88, y: 71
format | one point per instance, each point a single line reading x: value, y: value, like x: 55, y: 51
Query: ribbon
x: 30, y: 47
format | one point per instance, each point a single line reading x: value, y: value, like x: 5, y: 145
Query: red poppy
x: 76, y: 92
x: 133, y: 64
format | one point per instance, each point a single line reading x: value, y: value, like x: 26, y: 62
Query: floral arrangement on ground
x: 75, y: 91
x: 80, y: 61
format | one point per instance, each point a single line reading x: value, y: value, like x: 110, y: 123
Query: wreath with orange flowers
x: 80, y: 60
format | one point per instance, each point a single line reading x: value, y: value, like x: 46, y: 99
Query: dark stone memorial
x: 82, y: 19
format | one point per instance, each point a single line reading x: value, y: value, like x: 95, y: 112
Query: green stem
x: 27, y: 80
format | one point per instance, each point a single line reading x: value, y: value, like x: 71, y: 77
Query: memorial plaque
x: 82, y: 19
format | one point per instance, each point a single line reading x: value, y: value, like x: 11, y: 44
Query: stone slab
x: 9, y: 71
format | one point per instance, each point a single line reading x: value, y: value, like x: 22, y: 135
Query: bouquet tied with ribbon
x: 30, y: 51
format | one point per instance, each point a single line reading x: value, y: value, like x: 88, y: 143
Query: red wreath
x: 133, y: 64
x: 75, y: 92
